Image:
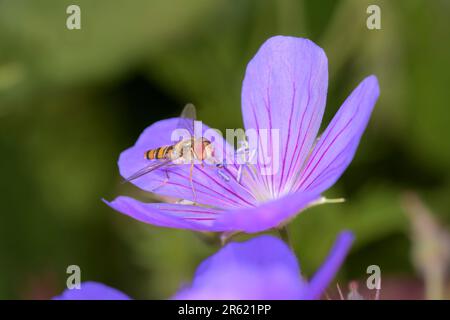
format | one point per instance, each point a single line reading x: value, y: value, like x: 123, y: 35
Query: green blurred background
x: 72, y: 100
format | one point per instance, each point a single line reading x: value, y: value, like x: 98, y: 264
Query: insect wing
x: 187, y: 118
x: 151, y: 167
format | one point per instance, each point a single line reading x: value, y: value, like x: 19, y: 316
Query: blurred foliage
x: 72, y: 100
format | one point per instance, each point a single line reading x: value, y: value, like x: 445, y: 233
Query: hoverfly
x: 186, y: 151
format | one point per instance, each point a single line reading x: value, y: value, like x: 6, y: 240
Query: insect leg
x: 192, y: 183
x: 166, y: 179
x: 191, y: 172
x: 197, y: 157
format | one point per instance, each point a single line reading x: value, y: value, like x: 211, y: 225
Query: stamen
x: 245, y: 156
x: 239, y: 174
x: 224, y: 176
x: 254, y: 180
x: 220, y: 170
x: 241, y: 152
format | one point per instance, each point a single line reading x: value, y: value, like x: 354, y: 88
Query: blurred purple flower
x: 242, y: 271
x: 262, y: 268
x: 285, y: 89
x: 92, y: 291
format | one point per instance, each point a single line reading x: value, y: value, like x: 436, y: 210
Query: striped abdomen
x: 160, y: 153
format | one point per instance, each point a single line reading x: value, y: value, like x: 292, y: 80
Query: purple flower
x: 242, y: 271
x: 92, y: 291
x: 284, y: 89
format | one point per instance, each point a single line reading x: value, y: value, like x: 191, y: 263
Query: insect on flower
x: 191, y: 149
x: 286, y: 165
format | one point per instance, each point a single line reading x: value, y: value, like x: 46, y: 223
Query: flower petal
x: 92, y: 291
x: 181, y: 216
x: 178, y: 216
x: 175, y: 180
x: 244, y: 271
x: 337, y: 146
x: 285, y: 88
x: 266, y: 216
x: 330, y: 267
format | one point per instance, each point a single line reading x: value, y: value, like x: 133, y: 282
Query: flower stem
x: 225, y: 237
x: 284, y: 234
